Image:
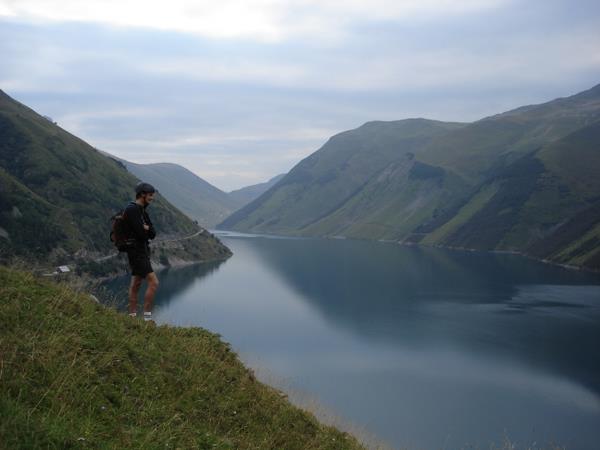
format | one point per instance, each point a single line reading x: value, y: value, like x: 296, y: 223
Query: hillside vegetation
x: 246, y: 194
x: 525, y: 180
x: 327, y: 180
x: 74, y: 374
x: 57, y: 194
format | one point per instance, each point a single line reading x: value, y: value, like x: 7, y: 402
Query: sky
x: 239, y: 91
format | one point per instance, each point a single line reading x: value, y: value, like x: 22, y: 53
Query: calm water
x: 425, y: 348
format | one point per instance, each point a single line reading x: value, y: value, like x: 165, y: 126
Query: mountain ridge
x: 248, y: 193
x: 196, y: 197
x: 57, y: 194
x: 433, y: 187
x: 355, y: 155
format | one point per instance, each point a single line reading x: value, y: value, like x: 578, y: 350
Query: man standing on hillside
x: 141, y: 229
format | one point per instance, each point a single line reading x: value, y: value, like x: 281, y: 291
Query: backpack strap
x: 142, y: 211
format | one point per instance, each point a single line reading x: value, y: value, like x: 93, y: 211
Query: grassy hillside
x: 496, y: 141
x: 28, y: 222
x: 525, y: 180
x: 546, y: 204
x: 575, y: 163
x: 488, y: 224
x: 575, y: 159
x: 75, y: 374
x: 393, y: 203
x: 246, y: 194
x: 325, y: 181
x: 58, y: 193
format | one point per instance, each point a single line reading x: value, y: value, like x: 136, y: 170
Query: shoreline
x: 417, y: 244
x: 512, y: 252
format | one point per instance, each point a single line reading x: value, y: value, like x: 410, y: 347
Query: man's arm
x: 150, y: 230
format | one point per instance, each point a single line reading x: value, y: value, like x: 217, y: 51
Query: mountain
x: 503, y: 138
x: 57, y: 194
x: 194, y: 196
x: 197, y: 198
x: 523, y: 181
x: 246, y: 194
x: 345, y: 169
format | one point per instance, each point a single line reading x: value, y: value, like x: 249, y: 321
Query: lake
x: 424, y: 348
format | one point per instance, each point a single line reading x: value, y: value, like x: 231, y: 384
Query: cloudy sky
x: 241, y: 90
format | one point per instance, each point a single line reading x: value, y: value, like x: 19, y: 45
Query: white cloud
x: 254, y: 108
x: 221, y: 19
x: 228, y: 161
x: 5, y: 10
x: 228, y: 69
x: 405, y: 66
x: 208, y: 138
x: 265, y: 20
x: 76, y: 122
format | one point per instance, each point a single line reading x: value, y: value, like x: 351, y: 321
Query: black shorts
x: 139, y: 262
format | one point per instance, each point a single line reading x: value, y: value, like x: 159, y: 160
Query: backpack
x: 119, y: 233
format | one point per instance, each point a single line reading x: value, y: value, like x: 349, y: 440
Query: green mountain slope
x: 78, y: 375
x: 393, y: 203
x: 546, y: 204
x: 322, y: 183
x: 58, y: 194
x: 518, y: 181
x: 575, y: 163
x: 194, y: 196
x: 246, y: 194
x: 483, y: 146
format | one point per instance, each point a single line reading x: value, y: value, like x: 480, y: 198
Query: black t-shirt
x: 136, y: 217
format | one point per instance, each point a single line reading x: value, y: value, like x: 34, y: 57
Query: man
x: 141, y: 229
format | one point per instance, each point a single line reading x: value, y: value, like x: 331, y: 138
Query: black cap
x: 144, y: 188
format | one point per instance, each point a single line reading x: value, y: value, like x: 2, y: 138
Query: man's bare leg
x: 152, y: 280
x: 134, y: 287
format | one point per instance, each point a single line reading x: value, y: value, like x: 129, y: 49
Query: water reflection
x: 173, y: 283
x: 428, y: 348
x: 497, y: 304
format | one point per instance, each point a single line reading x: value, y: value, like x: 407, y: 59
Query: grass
x: 580, y: 250
x: 74, y: 374
x: 474, y: 205
x: 575, y: 159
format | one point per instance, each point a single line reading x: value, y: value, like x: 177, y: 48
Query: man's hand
x: 146, y: 227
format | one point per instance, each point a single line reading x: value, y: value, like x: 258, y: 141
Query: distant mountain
x: 57, y: 194
x: 194, y: 196
x: 524, y: 180
x: 247, y: 194
x: 197, y: 198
